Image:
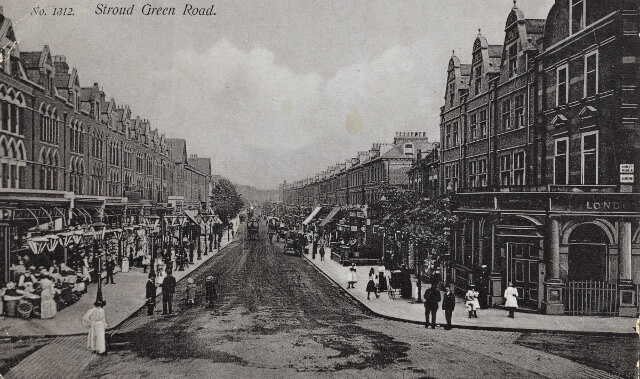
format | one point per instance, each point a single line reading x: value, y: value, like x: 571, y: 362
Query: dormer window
x: 577, y: 13
x: 408, y: 149
x: 513, y: 59
x: 451, y: 94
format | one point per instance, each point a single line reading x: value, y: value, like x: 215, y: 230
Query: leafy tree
x: 420, y: 218
x: 225, y: 200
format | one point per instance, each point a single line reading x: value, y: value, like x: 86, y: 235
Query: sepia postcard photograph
x: 319, y: 189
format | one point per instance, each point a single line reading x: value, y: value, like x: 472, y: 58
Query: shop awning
x: 330, y: 216
x: 192, y: 215
x: 311, y: 216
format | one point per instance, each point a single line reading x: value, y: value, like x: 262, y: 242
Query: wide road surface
x: 277, y: 317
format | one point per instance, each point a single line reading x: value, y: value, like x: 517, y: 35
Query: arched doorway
x: 587, y: 253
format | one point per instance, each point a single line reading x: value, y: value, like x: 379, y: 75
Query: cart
x: 253, y: 229
x: 290, y: 246
x: 395, y: 284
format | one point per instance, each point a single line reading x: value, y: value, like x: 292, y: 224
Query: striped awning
x: 311, y: 216
x: 330, y: 216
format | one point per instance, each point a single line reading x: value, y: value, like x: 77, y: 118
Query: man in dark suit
x: 448, y: 304
x: 151, y: 295
x: 168, y: 289
x: 431, y: 299
x: 110, y: 266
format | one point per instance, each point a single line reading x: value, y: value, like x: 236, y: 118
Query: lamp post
x: 447, y: 255
x: 418, y: 265
x: 152, y: 222
x: 383, y: 204
x: 98, y: 230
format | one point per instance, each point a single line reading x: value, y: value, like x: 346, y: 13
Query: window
x: 561, y: 161
x: 562, y: 89
x: 513, y: 59
x: 591, y: 74
x: 482, y: 173
x: 455, y: 139
x: 473, y: 171
x: 451, y: 94
x: 473, y: 127
x: 519, y: 112
x: 577, y: 12
x: 518, y: 168
x: 483, y: 124
x: 506, y: 115
x: 590, y: 158
x: 477, y: 78
x: 447, y: 136
x: 505, y: 170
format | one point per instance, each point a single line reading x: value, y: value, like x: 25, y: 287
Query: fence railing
x: 590, y: 298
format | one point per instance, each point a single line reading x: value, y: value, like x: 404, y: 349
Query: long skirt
x: 48, y: 308
x: 96, y: 339
x: 371, y: 286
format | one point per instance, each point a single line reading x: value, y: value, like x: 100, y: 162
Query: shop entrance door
x: 523, y: 270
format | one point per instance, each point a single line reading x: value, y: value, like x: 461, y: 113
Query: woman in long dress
x: 511, y: 299
x: 471, y: 301
x: 48, y: 308
x: 97, y: 323
x: 351, y: 276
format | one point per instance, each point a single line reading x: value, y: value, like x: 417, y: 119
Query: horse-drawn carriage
x: 253, y: 229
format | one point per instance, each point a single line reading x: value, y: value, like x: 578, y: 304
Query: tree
x: 420, y: 218
x: 225, y: 200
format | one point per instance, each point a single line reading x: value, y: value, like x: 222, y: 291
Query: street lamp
x: 152, y: 223
x: 98, y: 229
x: 447, y: 255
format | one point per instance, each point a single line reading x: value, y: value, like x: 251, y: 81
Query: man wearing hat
x: 168, y: 289
x: 431, y: 299
x: 448, y: 305
x: 210, y: 291
x: 151, y: 294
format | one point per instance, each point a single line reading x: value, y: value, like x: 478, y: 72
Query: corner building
x: 540, y: 143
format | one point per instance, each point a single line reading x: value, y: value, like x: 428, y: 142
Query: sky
x: 272, y: 90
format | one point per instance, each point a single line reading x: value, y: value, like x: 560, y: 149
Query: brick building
x: 539, y: 142
x: 70, y: 155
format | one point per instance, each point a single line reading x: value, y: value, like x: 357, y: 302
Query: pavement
x: 123, y: 298
x: 488, y: 319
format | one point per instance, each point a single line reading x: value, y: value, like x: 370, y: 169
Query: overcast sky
x: 264, y: 88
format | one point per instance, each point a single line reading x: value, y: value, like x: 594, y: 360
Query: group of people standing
x: 432, y: 298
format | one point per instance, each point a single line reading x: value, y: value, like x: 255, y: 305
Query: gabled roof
x: 31, y: 59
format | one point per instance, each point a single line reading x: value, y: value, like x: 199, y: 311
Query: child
x: 191, y: 291
x: 210, y: 291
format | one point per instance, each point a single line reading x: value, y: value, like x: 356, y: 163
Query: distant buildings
x: 362, y: 179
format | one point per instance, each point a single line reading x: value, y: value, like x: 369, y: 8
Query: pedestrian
x: 191, y: 291
x: 210, y: 291
x: 448, y: 305
x: 96, y: 321
x: 322, y: 253
x: 110, y: 266
x: 371, y: 285
x: 168, y: 289
x: 351, y: 276
x: 151, y: 294
x: 511, y: 299
x: 471, y: 301
x: 431, y: 300
x: 146, y: 261
x: 382, y: 280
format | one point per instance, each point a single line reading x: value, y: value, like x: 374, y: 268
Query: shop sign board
x: 601, y: 203
x: 627, y: 168
x: 626, y: 178
x: 354, y: 228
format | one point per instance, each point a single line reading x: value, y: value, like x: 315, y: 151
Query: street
x: 277, y: 317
